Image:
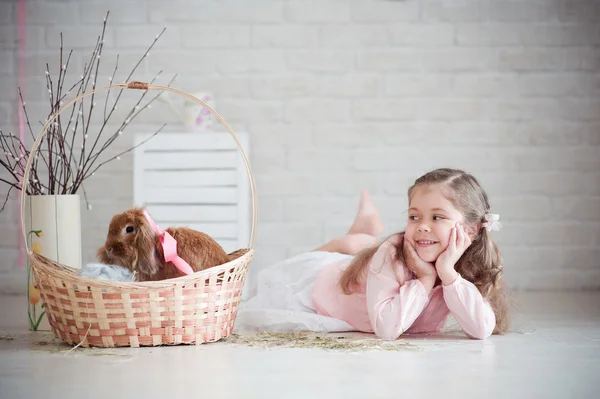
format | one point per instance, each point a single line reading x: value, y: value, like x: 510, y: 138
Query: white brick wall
x: 344, y: 95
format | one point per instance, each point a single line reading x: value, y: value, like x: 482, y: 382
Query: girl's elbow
x: 387, y: 333
x: 481, y: 333
x: 480, y: 337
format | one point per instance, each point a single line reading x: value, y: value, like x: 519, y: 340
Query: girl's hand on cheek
x: 458, y: 244
x: 415, y: 263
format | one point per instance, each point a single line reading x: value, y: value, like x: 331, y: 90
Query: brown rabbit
x: 132, y: 243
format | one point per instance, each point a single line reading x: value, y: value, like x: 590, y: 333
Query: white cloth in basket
x: 100, y: 271
x: 283, y: 297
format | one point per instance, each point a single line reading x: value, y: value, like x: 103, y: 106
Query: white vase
x: 53, y: 224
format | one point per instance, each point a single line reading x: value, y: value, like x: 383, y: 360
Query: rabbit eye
x: 129, y: 229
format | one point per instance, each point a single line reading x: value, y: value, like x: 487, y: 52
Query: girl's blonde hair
x: 481, y: 263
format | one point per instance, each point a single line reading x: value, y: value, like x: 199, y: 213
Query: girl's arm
x: 392, y: 307
x: 469, y: 308
x: 472, y: 312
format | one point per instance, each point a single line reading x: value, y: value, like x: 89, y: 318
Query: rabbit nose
x: 109, y: 250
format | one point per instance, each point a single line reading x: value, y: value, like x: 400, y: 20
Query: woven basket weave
x: 192, y: 309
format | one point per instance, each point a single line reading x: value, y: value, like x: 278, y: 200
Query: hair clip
x: 492, y: 222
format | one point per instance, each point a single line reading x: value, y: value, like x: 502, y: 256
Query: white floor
x: 553, y: 353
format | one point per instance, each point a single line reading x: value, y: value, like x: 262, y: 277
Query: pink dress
x: 392, y: 301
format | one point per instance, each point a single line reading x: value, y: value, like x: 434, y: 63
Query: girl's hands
x: 458, y: 244
x: 415, y: 263
x: 425, y: 271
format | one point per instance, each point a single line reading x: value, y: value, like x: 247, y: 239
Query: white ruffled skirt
x: 283, y: 297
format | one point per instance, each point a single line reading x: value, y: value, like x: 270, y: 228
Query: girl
x: 445, y: 262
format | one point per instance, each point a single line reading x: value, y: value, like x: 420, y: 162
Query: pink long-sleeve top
x: 392, y: 300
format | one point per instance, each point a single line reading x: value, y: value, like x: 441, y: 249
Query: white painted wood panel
x: 189, y: 160
x: 190, y: 178
x: 196, y: 213
x: 190, y: 195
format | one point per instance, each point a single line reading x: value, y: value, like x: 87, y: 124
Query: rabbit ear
x: 101, y: 255
x: 145, y: 245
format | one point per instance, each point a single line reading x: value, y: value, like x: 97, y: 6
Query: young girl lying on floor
x: 445, y: 262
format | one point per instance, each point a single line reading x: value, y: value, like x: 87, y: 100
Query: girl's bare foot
x: 367, y: 220
x: 363, y: 233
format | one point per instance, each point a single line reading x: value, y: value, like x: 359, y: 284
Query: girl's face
x: 431, y: 217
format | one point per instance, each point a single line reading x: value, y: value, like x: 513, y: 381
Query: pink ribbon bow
x: 169, y: 245
x: 492, y: 222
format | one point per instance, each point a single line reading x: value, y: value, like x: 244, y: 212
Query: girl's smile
x: 426, y: 243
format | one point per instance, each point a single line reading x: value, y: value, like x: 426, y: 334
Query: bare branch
x: 7, y: 195
x: 67, y: 168
x: 125, y: 152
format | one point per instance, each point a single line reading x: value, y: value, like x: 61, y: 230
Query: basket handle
x: 137, y: 86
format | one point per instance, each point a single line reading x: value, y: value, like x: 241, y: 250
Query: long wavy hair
x: 481, y: 264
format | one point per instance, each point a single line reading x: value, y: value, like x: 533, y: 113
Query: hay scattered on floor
x: 123, y: 356
x: 313, y: 340
x: 6, y: 338
x: 60, y: 348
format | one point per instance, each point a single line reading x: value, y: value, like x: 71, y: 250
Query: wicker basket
x: 192, y: 309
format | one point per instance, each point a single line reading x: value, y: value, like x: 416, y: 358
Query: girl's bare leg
x: 363, y: 233
x: 350, y: 244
